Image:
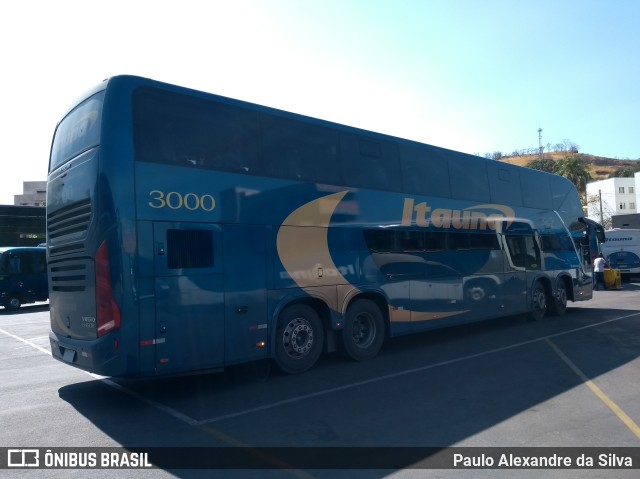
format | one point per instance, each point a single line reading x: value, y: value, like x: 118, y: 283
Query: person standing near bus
x: 599, y: 264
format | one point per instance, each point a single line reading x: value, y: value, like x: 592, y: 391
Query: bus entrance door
x: 189, y: 296
x: 246, y: 330
x: 523, y: 267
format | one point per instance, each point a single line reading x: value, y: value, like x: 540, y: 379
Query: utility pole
x: 600, y: 197
x: 540, y: 142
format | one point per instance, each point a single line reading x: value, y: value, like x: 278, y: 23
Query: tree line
x: 572, y: 167
x: 576, y: 170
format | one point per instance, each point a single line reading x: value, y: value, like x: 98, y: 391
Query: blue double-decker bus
x: 188, y: 232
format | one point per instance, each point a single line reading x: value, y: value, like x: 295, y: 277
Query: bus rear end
x: 85, y: 315
x: 622, y: 250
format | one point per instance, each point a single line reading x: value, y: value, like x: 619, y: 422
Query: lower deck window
x: 190, y: 248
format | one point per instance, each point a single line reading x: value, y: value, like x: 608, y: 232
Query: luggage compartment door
x: 189, y: 296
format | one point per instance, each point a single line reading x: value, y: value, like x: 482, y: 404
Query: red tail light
x: 108, y: 312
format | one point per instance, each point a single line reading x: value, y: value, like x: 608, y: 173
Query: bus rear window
x: 78, y: 131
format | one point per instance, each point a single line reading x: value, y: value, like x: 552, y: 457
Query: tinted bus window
x: 458, y: 241
x: 483, y: 241
x: 189, y: 249
x: 411, y: 241
x: 524, y: 251
x: 300, y: 151
x: 379, y: 241
x: 425, y: 170
x: 475, y: 186
x: 370, y: 163
x: 473, y: 241
x: 187, y: 131
x: 556, y: 242
x: 78, y: 131
x: 434, y: 241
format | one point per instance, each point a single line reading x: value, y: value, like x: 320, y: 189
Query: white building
x: 614, y: 196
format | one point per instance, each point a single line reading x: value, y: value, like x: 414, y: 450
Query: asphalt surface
x: 568, y: 382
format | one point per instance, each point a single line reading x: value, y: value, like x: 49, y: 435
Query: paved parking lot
x: 559, y: 382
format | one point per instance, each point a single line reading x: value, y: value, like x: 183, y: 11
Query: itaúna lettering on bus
x: 472, y: 218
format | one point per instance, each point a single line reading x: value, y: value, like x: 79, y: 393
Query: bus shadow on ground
x: 434, y: 389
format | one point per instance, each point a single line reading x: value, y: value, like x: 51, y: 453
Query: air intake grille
x: 67, y: 228
x: 71, y: 220
x: 68, y: 276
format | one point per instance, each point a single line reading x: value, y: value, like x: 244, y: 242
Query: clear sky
x: 472, y: 75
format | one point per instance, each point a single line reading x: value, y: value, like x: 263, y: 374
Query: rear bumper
x: 100, y: 356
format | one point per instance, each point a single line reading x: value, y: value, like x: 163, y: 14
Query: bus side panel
x: 145, y: 289
x: 245, y: 274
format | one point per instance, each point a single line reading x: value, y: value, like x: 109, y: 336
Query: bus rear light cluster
x: 107, y: 310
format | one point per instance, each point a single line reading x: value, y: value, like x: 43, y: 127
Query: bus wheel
x: 299, y: 339
x: 13, y: 304
x: 538, y: 303
x: 363, y: 332
x: 559, y: 302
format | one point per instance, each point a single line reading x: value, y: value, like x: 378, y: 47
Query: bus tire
x: 558, y: 304
x: 13, y: 303
x: 538, y: 302
x: 364, y: 331
x: 299, y: 339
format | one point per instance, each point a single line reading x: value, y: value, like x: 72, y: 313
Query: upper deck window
x: 183, y: 130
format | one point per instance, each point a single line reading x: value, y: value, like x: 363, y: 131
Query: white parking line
x: 110, y: 383
x: 194, y: 422
x: 403, y: 373
x: 25, y: 341
x: 151, y: 402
